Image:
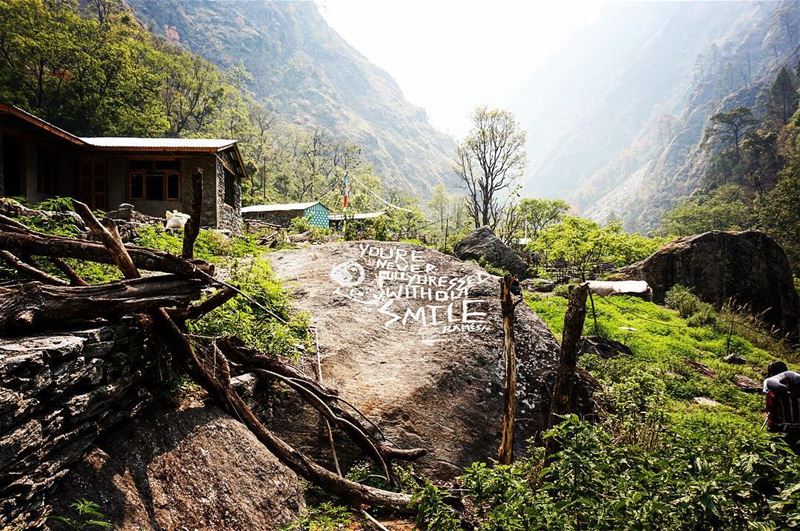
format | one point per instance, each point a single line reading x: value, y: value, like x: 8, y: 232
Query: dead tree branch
x: 35, y: 305
x: 217, y: 384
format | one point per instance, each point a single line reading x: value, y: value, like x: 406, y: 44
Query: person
x: 782, y: 389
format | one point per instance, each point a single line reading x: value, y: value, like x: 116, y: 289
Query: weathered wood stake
x: 570, y: 348
x: 507, y: 306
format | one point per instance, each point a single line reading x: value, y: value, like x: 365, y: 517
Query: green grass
x: 651, y: 458
x: 661, y: 342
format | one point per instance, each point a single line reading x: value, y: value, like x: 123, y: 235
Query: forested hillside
x: 95, y: 70
x: 631, y: 144
x: 303, y: 70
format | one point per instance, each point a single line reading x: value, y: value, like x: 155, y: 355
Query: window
x: 230, y: 190
x: 173, y: 185
x: 154, y: 180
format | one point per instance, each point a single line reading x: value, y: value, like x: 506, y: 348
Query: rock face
x: 482, y: 244
x: 190, y: 467
x: 414, y: 338
x: 58, y: 392
x: 748, y: 266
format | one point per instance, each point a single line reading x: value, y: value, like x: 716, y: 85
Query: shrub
x: 688, y: 306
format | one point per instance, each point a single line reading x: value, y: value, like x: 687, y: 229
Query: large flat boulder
x: 189, y: 466
x: 482, y: 245
x: 413, y: 338
x: 746, y: 266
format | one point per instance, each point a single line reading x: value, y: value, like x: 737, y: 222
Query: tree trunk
x: 570, y: 348
x: 506, y: 453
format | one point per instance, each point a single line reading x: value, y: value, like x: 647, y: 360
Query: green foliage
x: 583, y: 244
x: 323, y: 517
x: 538, y: 214
x: 88, y: 516
x: 690, y: 307
x: 433, y: 512
x: 280, y: 333
x: 723, y: 209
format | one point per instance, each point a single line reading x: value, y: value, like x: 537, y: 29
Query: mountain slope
x: 309, y: 75
x: 641, y: 84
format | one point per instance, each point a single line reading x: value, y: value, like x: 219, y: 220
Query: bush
x: 688, y: 306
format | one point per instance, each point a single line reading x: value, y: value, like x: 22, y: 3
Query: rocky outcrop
x: 482, y: 245
x: 185, y: 467
x: 414, y: 339
x: 58, y: 392
x: 746, y: 266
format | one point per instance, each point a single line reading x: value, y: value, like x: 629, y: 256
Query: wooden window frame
x: 165, y: 174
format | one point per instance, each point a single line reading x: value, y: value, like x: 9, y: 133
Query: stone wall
x: 58, y: 392
x: 229, y: 216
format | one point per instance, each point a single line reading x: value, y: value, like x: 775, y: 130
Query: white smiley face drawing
x: 348, y: 274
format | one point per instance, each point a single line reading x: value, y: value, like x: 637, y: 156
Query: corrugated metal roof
x: 278, y: 207
x: 365, y: 215
x: 158, y: 143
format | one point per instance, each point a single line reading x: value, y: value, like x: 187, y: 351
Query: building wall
x: 282, y: 217
x: 229, y: 216
x: 318, y: 216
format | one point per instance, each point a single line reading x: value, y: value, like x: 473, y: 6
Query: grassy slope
x: 661, y: 341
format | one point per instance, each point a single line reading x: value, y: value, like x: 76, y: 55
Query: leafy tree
x: 723, y: 209
x: 583, y: 244
x: 729, y: 128
x: 488, y: 161
x: 538, y: 214
x: 761, y: 161
x: 779, y: 214
x: 782, y: 98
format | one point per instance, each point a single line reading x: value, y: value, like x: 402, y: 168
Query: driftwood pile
x: 168, y: 295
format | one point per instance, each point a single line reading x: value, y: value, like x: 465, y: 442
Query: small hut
x: 283, y: 214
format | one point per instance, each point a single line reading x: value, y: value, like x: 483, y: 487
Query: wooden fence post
x: 192, y: 228
x: 570, y: 348
x: 508, y: 286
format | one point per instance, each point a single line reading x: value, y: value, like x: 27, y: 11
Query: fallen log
x: 29, y: 271
x: 325, y: 401
x: 34, y: 244
x: 35, y: 306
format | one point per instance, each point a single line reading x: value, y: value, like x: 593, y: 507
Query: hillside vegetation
x: 305, y: 72
x: 95, y: 70
x: 654, y: 457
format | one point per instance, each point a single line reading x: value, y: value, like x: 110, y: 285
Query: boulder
x: 482, y: 245
x: 414, y: 339
x: 538, y: 285
x: 185, y: 467
x: 746, y: 266
x: 604, y: 347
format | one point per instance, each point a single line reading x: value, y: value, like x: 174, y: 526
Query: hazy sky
x: 451, y: 55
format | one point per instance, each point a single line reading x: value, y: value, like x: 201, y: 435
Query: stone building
x: 38, y: 160
x: 282, y: 214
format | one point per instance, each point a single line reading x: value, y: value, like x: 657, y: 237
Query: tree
x: 729, y: 128
x: 583, y: 244
x: 779, y: 215
x: 538, y: 214
x: 723, y: 209
x: 782, y: 97
x: 760, y: 160
x: 488, y: 161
